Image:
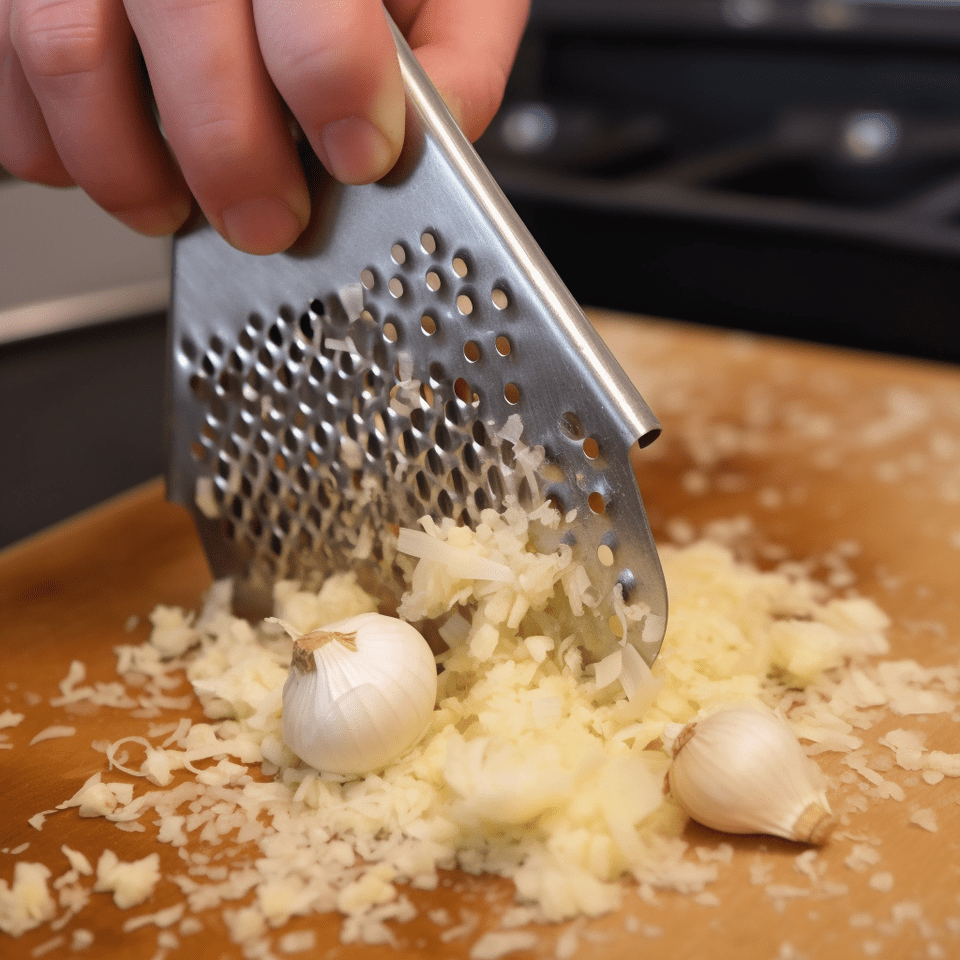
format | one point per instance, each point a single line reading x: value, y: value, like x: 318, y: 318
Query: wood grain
x: 817, y: 447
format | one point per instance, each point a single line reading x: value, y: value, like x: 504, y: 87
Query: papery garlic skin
x: 359, y: 693
x: 742, y: 770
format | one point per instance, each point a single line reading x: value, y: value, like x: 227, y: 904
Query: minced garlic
x: 535, y: 765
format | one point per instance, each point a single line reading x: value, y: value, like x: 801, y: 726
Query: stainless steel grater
x: 414, y: 354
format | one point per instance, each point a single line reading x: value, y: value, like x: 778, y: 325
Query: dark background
x: 694, y: 159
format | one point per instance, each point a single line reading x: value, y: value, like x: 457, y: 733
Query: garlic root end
x: 814, y: 825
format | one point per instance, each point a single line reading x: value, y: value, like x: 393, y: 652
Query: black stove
x: 784, y: 166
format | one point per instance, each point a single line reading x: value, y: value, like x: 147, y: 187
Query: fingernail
x: 262, y: 225
x: 155, y: 219
x: 355, y: 151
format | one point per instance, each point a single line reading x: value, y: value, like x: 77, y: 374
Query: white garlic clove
x: 742, y: 770
x: 359, y: 693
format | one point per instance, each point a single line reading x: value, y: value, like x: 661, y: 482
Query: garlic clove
x: 359, y: 693
x: 742, y: 770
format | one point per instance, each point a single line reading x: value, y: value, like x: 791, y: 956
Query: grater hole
x: 525, y: 495
x: 428, y: 242
x: 460, y: 267
x: 451, y: 413
x: 423, y: 486
x: 390, y: 332
x: 399, y: 254
x: 471, y: 351
x: 216, y: 345
x: 256, y: 322
x: 198, y: 450
x: 597, y: 504
x: 464, y: 305
x: 395, y: 286
x: 462, y: 389
x: 307, y: 327
x: 245, y: 340
x: 315, y: 373
x: 471, y: 459
x: 495, y: 484
x: 428, y: 325
x: 616, y: 627
x: 208, y: 366
x: 317, y: 308
x: 368, y: 279
x: 426, y: 391
x: 481, y: 499
x: 189, y: 349
x: 570, y: 425
x: 605, y: 556
x: 418, y: 420
x: 591, y: 449
x: 407, y: 443
x: 504, y: 346
x: 275, y: 335
x: 499, y: 298
x: 459, y: 483
x: 445, y: 504
x: 479, y: 433
x: 433, y: 280
x: 217, y: 409
x: 511, y: 393
x: 434, y: 462
x: 319, y: 436
x: 442, y: 437
x: 199, y: 386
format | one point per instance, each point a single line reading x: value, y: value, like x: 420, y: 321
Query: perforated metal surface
x: 414, y: 355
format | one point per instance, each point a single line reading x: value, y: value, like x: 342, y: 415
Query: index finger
x: 467, y: 50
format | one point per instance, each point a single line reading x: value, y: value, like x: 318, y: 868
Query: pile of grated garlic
x: 536, y: 768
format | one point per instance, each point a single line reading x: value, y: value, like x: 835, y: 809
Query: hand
x: 75, y: 106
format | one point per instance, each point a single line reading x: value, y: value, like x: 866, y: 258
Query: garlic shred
x: 358, y: 694
x: 742, y: 770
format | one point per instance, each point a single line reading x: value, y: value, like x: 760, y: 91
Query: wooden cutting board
x: 846, y: 461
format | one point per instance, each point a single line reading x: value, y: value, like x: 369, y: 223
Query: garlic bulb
x: 359, y: 693
x: 742, y: 770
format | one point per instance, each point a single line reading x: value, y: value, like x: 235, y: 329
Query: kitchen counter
x: 847, y: 463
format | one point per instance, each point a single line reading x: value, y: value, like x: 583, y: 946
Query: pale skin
x: 75, y: 110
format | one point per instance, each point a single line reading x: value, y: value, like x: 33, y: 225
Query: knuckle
x: 218, y: 135
x: 313, y: 67
x: 56, y: 39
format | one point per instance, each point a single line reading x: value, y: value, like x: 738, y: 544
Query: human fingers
x: 467, y: 49
x: 223, y: 118
x: 26, y: 149
x: 80, y: 62
x: 335, y: 64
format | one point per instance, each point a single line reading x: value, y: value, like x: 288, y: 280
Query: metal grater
x: 321, y: 398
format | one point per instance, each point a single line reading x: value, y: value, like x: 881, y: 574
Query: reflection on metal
x: 869, y: 136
